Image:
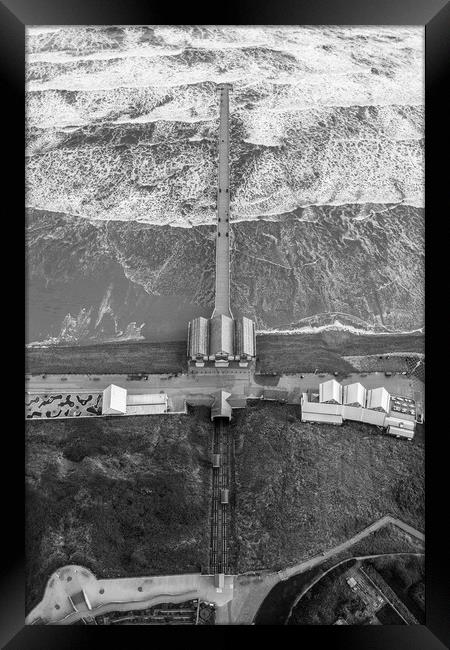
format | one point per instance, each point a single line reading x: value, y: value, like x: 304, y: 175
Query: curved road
x: 347, y: 559
x: 318, y: 559
x: 250, y: 591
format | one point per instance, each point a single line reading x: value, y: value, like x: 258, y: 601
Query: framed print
x: 225, y: 321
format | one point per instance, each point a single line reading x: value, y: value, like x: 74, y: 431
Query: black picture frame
x: 434, y: 15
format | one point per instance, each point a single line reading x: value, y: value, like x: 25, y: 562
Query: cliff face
x: 303, y: 488
x: 122, y: 502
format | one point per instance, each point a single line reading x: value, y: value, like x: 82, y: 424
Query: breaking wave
x: 122, y: 121
x: 121, y: 126
x: 338, y: 326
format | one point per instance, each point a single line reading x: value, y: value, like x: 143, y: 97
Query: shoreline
x: 322, y: 351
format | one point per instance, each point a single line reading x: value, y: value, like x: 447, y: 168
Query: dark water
x: 132, y: 313
x: 326, y: 177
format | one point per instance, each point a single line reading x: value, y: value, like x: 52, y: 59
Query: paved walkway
x: 249, y: 593
x: 121, y: 594
x: 238, y: 603
x: 199, y: 388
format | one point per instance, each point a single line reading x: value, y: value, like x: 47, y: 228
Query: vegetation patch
x: 303, y: 488
x: 405, y: 574
x: 121, y: 498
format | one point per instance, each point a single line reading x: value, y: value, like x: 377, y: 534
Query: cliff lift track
x: 220, y: 512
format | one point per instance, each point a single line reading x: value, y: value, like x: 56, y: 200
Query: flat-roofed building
x: 117, y: 401
x: 401, y: 422
x: 146, y: 409
x: 275, y: 394
x: 330, y: 392
x: 378, y: 399
x: 352, y: 412
x: 114, y: 400
x: 354, y: 395
x: 237, y: 402
x: 359, y: 414
x: 398, y: 422
x: 373, y: 416
x: 314, y: 411
x: 400, y: 431
x: 147, y: 398
x: 404, y: 408
x: 326, y: 418
x: 148, y: 404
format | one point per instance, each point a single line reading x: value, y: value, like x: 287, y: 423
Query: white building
x: 399, y: 427
x: 396, y: 415
x: 330, y: 392
x: 114, y: 400
x: 313, y: 411
x: 354, y: 395
x: 401, y: 421
x: 221, y: 407
x: 400, y: 432
x: 149, y: 404
x: 378, y: 398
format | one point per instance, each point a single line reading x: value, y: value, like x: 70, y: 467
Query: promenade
x: 121, y: 594
x: 199, y: 388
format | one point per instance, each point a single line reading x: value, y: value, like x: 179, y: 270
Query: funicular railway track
x: 220, y: 513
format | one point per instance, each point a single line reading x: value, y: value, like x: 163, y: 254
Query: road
x: 250, y: 591
x: 318, y: 559
x: 359, y: 558
x: 237, y: 382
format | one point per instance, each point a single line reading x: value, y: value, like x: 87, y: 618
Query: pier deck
x: 222, y: 300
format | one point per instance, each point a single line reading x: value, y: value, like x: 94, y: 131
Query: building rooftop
x: 354, y: 394
x: 221, y: 407
x: 378, y: 398
x: 403, y: 407
x: 330, y: 391
x: 146, y: 409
